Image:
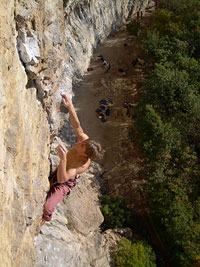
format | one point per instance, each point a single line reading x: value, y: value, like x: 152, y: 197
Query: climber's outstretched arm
x: 63, y: 175
x: 74, y: 118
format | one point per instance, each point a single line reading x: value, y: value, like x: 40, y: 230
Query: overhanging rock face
x: 45, y: 46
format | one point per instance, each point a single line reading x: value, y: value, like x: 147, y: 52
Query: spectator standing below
x: 138, y: 14
x: 108, y: 68
x: 105, y: 63
x: 72, y: 163
x: 129, y: 109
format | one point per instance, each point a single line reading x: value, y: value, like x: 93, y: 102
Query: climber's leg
x: 54, y: 196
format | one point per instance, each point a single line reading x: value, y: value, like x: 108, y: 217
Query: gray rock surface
x: 73, y: 238
x: 28, y: 48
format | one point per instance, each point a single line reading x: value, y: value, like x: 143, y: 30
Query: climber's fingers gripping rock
x: 62, y: 152
x: 66, y: 100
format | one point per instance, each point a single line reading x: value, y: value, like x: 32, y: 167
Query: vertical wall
x: 24, y: 146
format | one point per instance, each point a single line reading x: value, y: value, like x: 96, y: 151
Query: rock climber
x: 72, y: 163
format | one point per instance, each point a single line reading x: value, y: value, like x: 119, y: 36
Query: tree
x: 138, y: 254
x: 115, y: 212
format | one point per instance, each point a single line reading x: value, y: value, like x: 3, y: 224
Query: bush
x: 115, y: 212
x: 156, y: 136
x: 134, y: 27
x: 168, y: 119
x: 138, y: 254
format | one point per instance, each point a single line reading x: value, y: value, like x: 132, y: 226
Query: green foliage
x: 156, y: 135
x: 172, y: 91
x: 137, y: 254
x: 168, y: 120
x: 180, y: 19
x: 156, y: 46
x: 133, y: 27
x: 190, y: 65
x: 115, y: 212
x: 164, y: 48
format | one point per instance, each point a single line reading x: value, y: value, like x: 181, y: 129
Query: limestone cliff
x: 45, y: 47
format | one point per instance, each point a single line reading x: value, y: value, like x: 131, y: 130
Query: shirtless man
x: 72, y: 163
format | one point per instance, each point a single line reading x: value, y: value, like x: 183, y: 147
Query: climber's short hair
x: 93, y: 149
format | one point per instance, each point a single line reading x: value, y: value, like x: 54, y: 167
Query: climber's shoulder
x: 82, y: 137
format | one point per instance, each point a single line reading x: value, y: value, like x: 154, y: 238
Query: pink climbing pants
x: 54, y: 196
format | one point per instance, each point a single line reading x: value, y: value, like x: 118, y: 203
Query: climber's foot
x: 42, y: 221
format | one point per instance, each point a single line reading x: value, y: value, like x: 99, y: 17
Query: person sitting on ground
x: 98, y: 110
x: 102, y: 117
x: 89, y: 69
x: 103, y: 101
x: 141, y: 62
x: 107, y: 112
x: 110, y: 102
x: 125, y: 104
x: 126, y: 107
x: 106, y: 101
x: 122, y: 72
x: 72, y: 163
x: 135, y: 61
x: 101, y: 58
x: 105, y: 109
x: 100, y: 113
x: 102, y: 107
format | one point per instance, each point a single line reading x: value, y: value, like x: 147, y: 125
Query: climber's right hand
x: 62, y: 152
x: 66, y: 100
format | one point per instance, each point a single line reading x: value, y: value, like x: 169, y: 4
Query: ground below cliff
x: 122, y: 161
